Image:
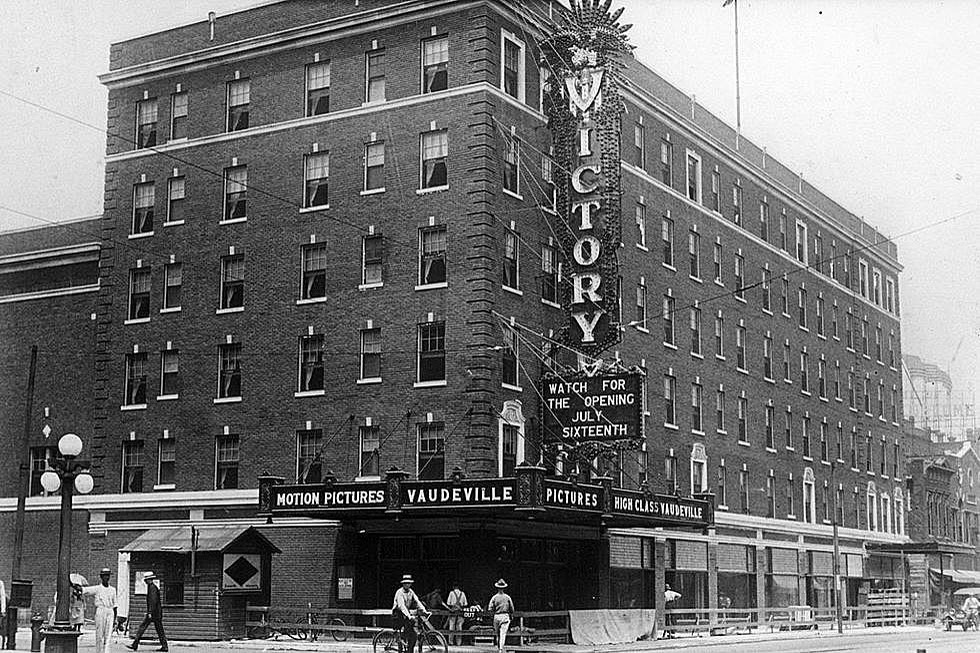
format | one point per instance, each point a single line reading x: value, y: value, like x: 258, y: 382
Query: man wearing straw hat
x: 154, y: 614
x: 104, y: 596
x: 405, y: 610
x: 501, y: 607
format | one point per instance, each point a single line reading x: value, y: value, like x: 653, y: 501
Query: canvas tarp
x: 595, y: 627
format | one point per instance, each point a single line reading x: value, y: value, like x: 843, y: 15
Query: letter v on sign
x: 584, y: 102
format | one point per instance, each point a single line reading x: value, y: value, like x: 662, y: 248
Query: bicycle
x: 430, y: 640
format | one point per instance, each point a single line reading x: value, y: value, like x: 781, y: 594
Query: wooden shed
x: 207, y: 574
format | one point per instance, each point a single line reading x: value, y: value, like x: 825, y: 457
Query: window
x: 666, y: 162
x: 801, y: 304
x: 819, y: 315
x: 435, y: 149
x: 740, y: 347
x: 668, y: 315
x: 146, y: 123
x: 135, y: 380
x: 853, y: 448
x: 818, y: 253
x: 872, y: 509
x: 670, y: 472
x: 720, y: 410
x: 236, y: 192
x: 641, y: 225
x: 132, y: 467
x: 719, y: 336
x: 865, y: 348
x: 238, y: 103
x: 716, y: 191
x: 786, y: 374
x: 718, y: 256
x: 863, y: 278
x: 822, y: 378
x: 894, y: 405
x: 790, y: 497
x: 739, y: 277
x: 432, y: 352
x: 639, y: 144
x: 770, y: 427
x: 139, y: 293
x: 876, y: 287
x: 370, y: 353
x: 696, y: 402
x: 784, y: 296
x: 512, y: 70
x: 801, y: 243
x: 696, y: 331
x: 743, y: 490
x: 883, y: 458
x: 767, y: 357
x: 742, y: 408
x: 766, y: 291
x: 840, y: 441
x: 226, y: 462
x: 896, y: 458
x: 309, y: 465
x: 512, y: 161
x: 849, y: 330
x: 169, y: 373
x: 551, y: 191
x: 667, y: 235
x: 435, y: 64
x: 511, y: 278
x: 641, y: 305
x: 834, y: 322
x: 804, y: 371
x: 722, y: 483
x: 699, y: 473
x: 375, y: 76
x: 314, y: 271
x: 851, y: 391
x: 166, y: 462
x: 431, y: 452
x: 230, y: 370
x: 837, y: 394
x: 694, y: 250
x: 693, y: 177
x: 737, y: 204
x: 311, y: 366
x: 370, y: 464
x: 878, y: 344
x: 178, y: 116
x: 824, y: 445
x: 143, y: 200
x: 890, y: 304
x: 788, y: 428
x: 809, y: 500
x: 866, y: 393
x: 317, y: 173
x: 233, y: 281
x: 509, y: 436
x: 318, y: 88
x: 432, y: 255
x: 881, y: 400
x: 374, y: 166
x: 510, y: 363
x: 372, y: 259
x: 175, y: 199
x: 764, y: 221
x: 670, y: 400
x: 868, y: 454
x: 40, y: 463
x: 549, y: 274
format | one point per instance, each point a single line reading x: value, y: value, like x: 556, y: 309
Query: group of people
x: 408, y: 609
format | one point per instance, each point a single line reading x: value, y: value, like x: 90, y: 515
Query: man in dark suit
x: 154, y: 614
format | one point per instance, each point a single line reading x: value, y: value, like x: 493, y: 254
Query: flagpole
x: 738, y: 97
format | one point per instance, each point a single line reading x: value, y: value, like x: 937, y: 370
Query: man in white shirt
x: 406, y: 609
x: 105, y: 609
x: 457, y: 602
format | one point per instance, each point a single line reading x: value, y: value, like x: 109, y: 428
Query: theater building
x: 344, y: 254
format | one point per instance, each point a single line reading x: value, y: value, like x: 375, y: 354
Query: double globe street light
x: 68, y: 474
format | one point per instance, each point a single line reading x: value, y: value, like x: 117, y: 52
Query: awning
x: 209, y: 538
x: 956, y: 576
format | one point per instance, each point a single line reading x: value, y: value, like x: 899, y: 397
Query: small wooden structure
x: 207, y: 574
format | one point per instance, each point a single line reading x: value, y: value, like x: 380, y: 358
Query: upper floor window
x: 666, y: 162
x: 639, y: 145
x: 432, y: 352
x: 876, y: 288
x: 236, y: 193
x: 233, y: 281
x: 863, y: 278
x: 370, y: 464
x: 431, y: 451
x: 135, y: 380
x: 317, y: 179
x: 667, y: 235
x: 718, y: 261
x: 172, y: 285
x: 641, y: 225
x: 511, y: 269
x: 374, y: 166
x: 132, y: 467
x: 695, y: 330
x: 435, y: 64
x: 694, y: 249
x: 512, y: 68
x: 175, y: 199
x: 317, y: 88
x: 739, y: 277
x: 512, y: 163
x: 693, y: 177
x: 178, y: 115
x: 668, y: 317
x: 226, y: 462
x: 166, y: 461
x: 766, y: 290
x: 238, y: 104
x: 370, y: 353
x: 549, y: 274
x: 716, y: 191
x: 375, y: 76
x: 169, y: 373
x: 764, y: 221
x: 311, y: 363
x: 670, y: 399
x: 435, y: 150
x: 890, y: 304
x: 802, y: 243
x: 372, y: 260
x: 510, y: 361
x: 229, y: 370
x: 139, y: 293
x: 146, y: 123
x: 314, y: 271
x: 641, y: 305
x: 309, y: 465
x: 737, y: 204
x: 742, y: 413
x: 432, y: 255
x: 143, y: 204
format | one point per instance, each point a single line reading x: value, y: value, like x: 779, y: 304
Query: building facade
x: 332, y: 247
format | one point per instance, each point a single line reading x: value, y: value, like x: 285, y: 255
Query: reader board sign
x: 662, y: 508
x: 449, y: 494
x: 601, y: 408
x: 339, y: 497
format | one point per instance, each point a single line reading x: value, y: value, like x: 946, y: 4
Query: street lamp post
x: 67, y: 473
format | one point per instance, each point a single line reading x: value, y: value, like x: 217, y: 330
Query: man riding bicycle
x: 972, y: 607
x: 406, y: 610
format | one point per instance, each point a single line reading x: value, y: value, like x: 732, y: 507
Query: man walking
x: 457, y: 603
x: 154, y: 614
x: 501, y: 607
x: 104, y: 596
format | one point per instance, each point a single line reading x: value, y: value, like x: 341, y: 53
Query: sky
x: 874, y: 101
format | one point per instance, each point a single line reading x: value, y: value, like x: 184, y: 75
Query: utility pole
x: 839, y: 612
x: 22, y: 485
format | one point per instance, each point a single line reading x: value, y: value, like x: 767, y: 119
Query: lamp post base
x: 61, y: 638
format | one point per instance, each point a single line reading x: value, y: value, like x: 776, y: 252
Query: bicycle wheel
x: 385, y: 641
x: 338, y: 635
x: 292, y: 626
x: 432, y: 641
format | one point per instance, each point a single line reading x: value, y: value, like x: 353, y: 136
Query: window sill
x: 786, y: 315
x: 374, y: 380
x: 370, y: 103
x: 642, y: 329
x: 695, y: 279
x: 314, y: 209
x: 768, y: 380
x: 740, y: 299
x: 767, y: 312
x: 432, y: 286
x: 825, y: 462
x: 225, y: 311
x: 133, y: 407
x: 806, y: 393
x: 369, y: 286
x: 720, y: 357
x: 138, y: 320
x: 177, y: 140
x: 173, y: 224
x: 172, y: 309
x: 310, y: 393
x: 696, y: 355
x: 227, y: 400
x: 853, y: 409
x: 233, y: 221
x: 770, y: 450
x: 741, y: 370
x: 507, y: 191
x: 696, y: 432
x: 165, y: 486
x: 670, y: 346
x: 866, y: 357
x: 168, y: 397
x: 547, y: 302
x: 719, y: 283
x: 508, y: 386
x: 743, y: 443
x: 372, y: 191
x: 788, y: 381
x: 311, y: 300
x: 515, y: 291
x: 722, y: 507
x: 672, y: 427
x: 434, y: 189
x: 821, y: 336
x: 669, y: 267
x: 809, y: 459
x: 430, y: 384
x: 721, y: 432
x: 793, y: 449
x: 642, y: 247
x: 145, y: 234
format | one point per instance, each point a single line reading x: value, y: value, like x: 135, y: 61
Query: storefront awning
x: 184, y: 539
x: 956, y: 576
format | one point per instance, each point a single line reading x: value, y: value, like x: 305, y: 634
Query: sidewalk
x: 87, y: 641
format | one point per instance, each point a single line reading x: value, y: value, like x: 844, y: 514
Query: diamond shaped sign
x: 242, y: 571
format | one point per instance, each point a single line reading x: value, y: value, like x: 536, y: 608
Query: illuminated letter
x: 580, y: 187
x: 584, y: 90
x: 579, y: 253
x: 580, y: 290
x: 583, y: 141
x: 588, y: 326
x: 586, y: 212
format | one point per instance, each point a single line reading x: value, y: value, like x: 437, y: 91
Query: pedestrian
x: 76, y: 608
x: 434, y: 601
x: 670, y: 619
x: 501, y: 607
x: 406, y: 609
x: 106, y: 608
x: 154, y: 614
x: 457, y: 603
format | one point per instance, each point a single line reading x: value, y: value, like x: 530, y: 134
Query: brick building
x: 330, y: 244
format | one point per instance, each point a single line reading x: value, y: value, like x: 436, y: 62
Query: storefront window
x: 782, y: 590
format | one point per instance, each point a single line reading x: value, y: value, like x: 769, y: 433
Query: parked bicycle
x: 430, y: 640
x: 295, y: 626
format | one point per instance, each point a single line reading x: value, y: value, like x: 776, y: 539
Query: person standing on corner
x: 670, y: 596
x: 154, y: 614
x: 105, y: 609
x: 457, y: 603
x: 501, y: 607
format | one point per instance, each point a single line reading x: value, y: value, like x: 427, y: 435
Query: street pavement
x: 912, y: 639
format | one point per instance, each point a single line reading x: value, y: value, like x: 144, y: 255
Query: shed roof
x: 209, y: 538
